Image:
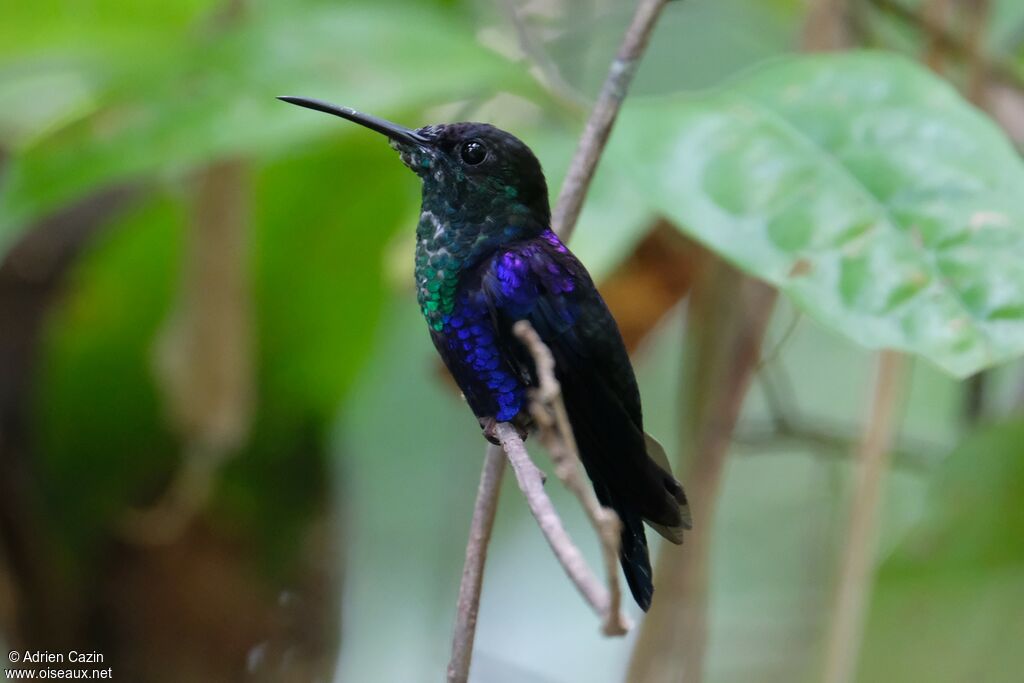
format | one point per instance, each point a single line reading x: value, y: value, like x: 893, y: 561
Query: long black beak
x: 392, y: 130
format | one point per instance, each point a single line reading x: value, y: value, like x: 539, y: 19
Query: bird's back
x: 541, y: 281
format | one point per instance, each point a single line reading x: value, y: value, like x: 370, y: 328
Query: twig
x: 473, y: 570
x: 779, y: 397
x: 549, y: 71
x: 555, y: 432
x: 934, y: 20
x: 602, y: 117
x: 1001, y: 68
x: 566, y: 213
x: 846, y: 628
x: 531, y: 483
x: 827, y: 26
x: 833, y: 441
x: 773, y: 354
x: 788, y: 427
x: 978, y: 90
x: 978, y: 12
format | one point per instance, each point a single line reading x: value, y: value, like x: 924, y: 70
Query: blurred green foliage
x: 147, y: 93
x: 212, y: 95
x: 947, y: 601
x: 99, y: 427
x: 850, y: 182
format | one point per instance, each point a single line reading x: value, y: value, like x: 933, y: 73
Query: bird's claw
x: 490, y: 428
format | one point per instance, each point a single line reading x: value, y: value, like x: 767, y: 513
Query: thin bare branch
x: 847, y: 624
x: 1000, y: 68
x: 602, y: 117
x: 935, y: 15
x: 978, y: 13
x: 827, y: 26
x: 834, y: 441
x: 555, y: 432
x: 473, y: 570
x: 531, y: 483
x: 549, y: 73
x: 789, y: 428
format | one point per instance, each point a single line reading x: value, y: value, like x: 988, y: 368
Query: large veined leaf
x: 863, y: 187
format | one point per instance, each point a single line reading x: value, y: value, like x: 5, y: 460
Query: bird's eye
x: 473, y: 153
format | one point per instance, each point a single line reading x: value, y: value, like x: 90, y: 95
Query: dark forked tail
x: 633, y: 555
x: 642, y: 491
x: 636, y: 562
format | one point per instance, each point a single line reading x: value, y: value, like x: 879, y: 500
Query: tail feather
x: 630, y: 474
x: 673, y: 533
x: 635, y: 560
x: 633, y: 555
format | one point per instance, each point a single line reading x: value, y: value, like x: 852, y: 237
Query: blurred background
x: 227, y: 452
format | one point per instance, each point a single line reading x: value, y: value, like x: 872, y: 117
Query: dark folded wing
x: 540, y: 281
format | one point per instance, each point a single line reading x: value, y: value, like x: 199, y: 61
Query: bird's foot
x: 490, y: 427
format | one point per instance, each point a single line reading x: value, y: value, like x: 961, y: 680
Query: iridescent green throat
x: 447, y: 246
x: 438, y: 265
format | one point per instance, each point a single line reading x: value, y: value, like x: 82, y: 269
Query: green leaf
x: 947, y: 604
x: 219, y: 99
x: 863, y: 187
x: 128, y: 28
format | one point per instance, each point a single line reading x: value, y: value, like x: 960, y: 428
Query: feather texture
x: 540, y: 280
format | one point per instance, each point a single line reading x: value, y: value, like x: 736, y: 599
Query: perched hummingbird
x: 486, y: 257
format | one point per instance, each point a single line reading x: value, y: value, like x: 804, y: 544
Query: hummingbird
x: 486, y: 258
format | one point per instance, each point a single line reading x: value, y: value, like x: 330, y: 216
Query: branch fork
x: 546, y: 405
x: 555, y: 433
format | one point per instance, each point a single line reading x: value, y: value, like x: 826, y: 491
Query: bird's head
x: 471, y: 169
